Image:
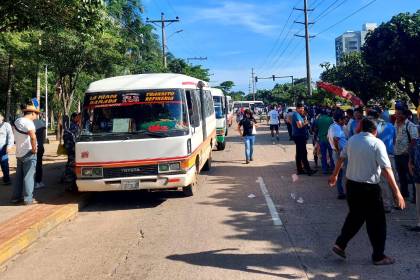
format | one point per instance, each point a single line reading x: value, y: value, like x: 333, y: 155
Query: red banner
x: 340, y: 92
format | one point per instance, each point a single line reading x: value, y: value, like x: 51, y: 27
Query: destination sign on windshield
x: 119, y: 99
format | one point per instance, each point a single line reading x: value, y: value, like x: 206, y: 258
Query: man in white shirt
x: 337, y: 138
x: 26, y: 150
x: 274, y: 120
x: 367, y: 161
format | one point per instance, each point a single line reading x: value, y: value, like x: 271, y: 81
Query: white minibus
x: 220, y: 107
x: 229, y: 103
x: 148, y: 131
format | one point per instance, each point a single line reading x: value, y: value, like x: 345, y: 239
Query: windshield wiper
x: 159, y: 134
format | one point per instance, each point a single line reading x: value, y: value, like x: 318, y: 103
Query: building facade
x: 351, y: 41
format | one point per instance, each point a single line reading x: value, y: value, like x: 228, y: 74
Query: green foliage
x: 392, y: 51
x: 177, y: 65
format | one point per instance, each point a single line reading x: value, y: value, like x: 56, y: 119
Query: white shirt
x: 366, y: 156
x: 274, y: 117
x: 23, y: 141
x: 336, y: 131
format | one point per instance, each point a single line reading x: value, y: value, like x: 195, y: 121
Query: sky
x: 238, y: 35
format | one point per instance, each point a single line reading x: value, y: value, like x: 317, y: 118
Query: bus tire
x: 227, y: 131
x: 221, y: 146
x: 190, y: 189
x: 207, y: 165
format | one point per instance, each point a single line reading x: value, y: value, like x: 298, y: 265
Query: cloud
x: 253, y: 17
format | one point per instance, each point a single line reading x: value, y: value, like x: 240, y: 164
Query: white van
x: 149, y: 131
x: 221, y: 109
x: 229, y: 103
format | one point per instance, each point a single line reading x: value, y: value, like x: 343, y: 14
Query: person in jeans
x: 248, y: 134
x: 367, y: 158
x: 26, y: 150
x: 337, y: 140
x: 274, y: 122
x: 40, y: 139
x: 6, y: 143
x: 406, y: 136
x: 300, y: 136
x: 321, y: 126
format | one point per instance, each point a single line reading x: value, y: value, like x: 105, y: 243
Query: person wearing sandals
x: 248, y: 124
x: 367, y: 157
x: 26, y: 153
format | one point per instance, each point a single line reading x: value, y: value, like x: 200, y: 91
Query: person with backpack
x: 406, y: 136
x: 26, y: 150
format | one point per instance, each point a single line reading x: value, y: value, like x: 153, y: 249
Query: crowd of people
x: 364, y: 151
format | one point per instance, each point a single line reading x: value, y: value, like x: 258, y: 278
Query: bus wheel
x: 227, y: 131
x: 190, y: 189
x: 207, y: 165
x: 221, y: 146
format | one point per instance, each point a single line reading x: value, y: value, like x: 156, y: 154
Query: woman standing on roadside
x: 248, y: 124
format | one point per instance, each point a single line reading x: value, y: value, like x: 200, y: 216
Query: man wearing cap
x: 26, y: 150
x: 6, y: 143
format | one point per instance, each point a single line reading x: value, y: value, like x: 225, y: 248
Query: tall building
x: 351, y: 41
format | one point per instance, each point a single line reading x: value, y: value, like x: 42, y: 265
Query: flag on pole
x: 340, y: 92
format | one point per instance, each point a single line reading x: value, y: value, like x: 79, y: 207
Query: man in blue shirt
x: 300, y: 134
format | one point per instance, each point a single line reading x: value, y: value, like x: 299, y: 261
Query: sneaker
x: 39, y: 185
x: 311, y: 172
x: 33, y: 202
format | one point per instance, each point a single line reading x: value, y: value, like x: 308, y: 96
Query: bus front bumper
x: 162, y: 181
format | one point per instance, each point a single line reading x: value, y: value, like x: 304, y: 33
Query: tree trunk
x: 10, y: 75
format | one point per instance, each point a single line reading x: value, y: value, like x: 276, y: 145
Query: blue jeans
x: 25, y: 177
x: 326, y: 148
x: 249, y: 146
x: 4, y: 163
x: 340, y: 188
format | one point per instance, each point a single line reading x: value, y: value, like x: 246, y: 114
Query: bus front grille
x: 118, y: 172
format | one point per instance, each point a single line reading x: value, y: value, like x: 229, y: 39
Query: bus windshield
x: 150, y: 113
x: 218, y: 107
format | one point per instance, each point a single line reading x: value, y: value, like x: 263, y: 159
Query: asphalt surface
x: 225, y: 231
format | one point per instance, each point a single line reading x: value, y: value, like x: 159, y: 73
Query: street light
x: 178, y: 31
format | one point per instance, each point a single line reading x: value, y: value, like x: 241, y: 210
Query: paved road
x: 226, y: 231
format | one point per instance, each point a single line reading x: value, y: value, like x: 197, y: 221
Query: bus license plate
x: 130, y: 185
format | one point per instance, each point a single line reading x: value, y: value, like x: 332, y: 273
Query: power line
x: 278, y: 38
x: 326, y: 9
x: 330, y: 11
x: 347, y: 17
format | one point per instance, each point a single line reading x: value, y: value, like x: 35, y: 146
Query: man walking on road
x: 26, y: 149
x: 248, y: 124
x: 6, y: 143
x: 274, y: 120
x: 300, y: 134
x: 367, y: 157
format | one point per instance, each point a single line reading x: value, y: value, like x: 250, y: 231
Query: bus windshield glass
x: 138, y: 114
x: 218, y: 107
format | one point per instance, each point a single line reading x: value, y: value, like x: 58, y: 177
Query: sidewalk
x: 22, y: 225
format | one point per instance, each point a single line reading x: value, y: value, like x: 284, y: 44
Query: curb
x: 53, y: 216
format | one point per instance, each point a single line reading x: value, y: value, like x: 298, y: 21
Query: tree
x: 392, y: 50
x: 226, y: 86
x: 23, y: 15
x: 178, y: 65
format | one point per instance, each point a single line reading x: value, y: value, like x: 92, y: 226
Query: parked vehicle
x: 230, y: 114
x: 149, y: 131
x: 221, y: 109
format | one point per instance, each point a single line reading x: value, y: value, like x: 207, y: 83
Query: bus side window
x: 193, y: 108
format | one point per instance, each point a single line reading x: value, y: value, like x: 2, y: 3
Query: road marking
x: 273, y: 211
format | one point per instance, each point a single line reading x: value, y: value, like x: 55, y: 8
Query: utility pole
x: 307, y: 37
x: 253, y: 83
x: 163, y: 22
x: 196, y: 58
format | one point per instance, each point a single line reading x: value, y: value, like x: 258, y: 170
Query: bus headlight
x: 169, y: 167
x: 92, y: 172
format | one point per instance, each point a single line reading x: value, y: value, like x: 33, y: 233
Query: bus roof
x: 144, y: 81
x: 216, y: 92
